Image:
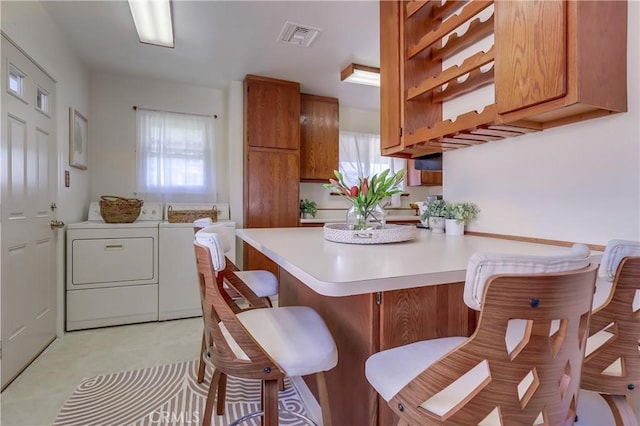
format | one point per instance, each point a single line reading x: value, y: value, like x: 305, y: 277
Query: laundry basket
x: 119, y: 210
x: 187, y: 216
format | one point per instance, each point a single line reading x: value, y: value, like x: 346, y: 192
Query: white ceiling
x: 222, y: 41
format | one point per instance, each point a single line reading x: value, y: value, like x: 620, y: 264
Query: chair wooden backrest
x: 218, y: 308
x: 618, y: 320
x: 536, y: 381
x: 235, y: 288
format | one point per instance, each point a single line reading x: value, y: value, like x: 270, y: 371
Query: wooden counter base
x: 367, y: 323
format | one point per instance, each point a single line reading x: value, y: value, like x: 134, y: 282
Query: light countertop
x: 336, y: 269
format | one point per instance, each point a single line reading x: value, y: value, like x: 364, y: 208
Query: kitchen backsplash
x: 321, y: 195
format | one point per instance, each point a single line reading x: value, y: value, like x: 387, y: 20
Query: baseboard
x: 311, y: 405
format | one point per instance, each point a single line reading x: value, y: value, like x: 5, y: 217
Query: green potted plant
x: 457, y: 216
x: 308, y: 209
x: 436, y: 212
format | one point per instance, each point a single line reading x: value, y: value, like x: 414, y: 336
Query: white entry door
x: 28, y: 244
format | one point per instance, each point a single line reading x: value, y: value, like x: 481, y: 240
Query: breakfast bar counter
x: 335, y: 269
x: 375, y: 297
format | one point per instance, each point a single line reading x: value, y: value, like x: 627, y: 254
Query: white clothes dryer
x: 112, y: 270
x: 178, y: 290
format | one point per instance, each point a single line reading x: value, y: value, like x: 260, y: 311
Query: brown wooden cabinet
x: 272, y: 189
x: 318, y: 137
x: 364, y: 324
x: 422, y: 177
x: 272, y: 159
x: 551, y: 63
x: 571, y: 66
x: 272, y: 108
x: 400, y: 116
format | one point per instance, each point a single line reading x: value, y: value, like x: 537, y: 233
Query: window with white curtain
x: 175, y: 157
x: 360, y: 157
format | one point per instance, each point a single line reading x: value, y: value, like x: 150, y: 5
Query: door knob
x: 56, y: 224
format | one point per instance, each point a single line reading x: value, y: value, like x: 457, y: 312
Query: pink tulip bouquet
x: 366, y: 196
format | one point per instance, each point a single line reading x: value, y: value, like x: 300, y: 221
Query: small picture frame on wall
x: 78, y: 138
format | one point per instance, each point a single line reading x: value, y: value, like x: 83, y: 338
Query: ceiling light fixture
x: 361, y: 74
x: 152, y: 19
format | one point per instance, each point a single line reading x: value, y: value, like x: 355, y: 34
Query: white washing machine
x: 112, y: 270
x: 178, y: 292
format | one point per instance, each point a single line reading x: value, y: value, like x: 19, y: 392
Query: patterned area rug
x: 166, y: 395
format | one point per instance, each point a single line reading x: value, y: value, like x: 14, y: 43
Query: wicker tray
x: 119, y: 210
x: 340, y: 233
x: 186, y: 216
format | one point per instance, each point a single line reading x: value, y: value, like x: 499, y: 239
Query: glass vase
x: 437, y: 224
x: 360, y: 218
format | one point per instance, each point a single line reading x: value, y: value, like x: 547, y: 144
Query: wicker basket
x: 186, y: 216
x: 119, y: 210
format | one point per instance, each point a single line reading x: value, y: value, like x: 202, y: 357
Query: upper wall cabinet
x: 460, y: 73
x: 271, y: 104
x: 318, y: 137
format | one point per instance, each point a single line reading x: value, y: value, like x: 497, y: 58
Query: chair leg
x: 208, y: 408
x: 621, y: 409
x: 222, y: 394
x: 323, y: 394
x: 201, y: 366
x: 270, y: 402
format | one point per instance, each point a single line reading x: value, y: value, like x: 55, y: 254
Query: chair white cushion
x: 595, y: 341
x: 202, y: 222
x: 213, y: 241
x: 295, y: 337
x: 262, y: 283
x: 222, y: 235
x: 391, y: 370
x: 615, y: 251
x: 482, y: 266
x: 516, y: 329
x: 593, y: 410
x: 602, y: 293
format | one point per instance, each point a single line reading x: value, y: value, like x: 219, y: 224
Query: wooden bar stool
x: 265, y: 344
x: 255, y: 287
x: 263, y: 284
x: 611, y: 370
x: 522, y: 364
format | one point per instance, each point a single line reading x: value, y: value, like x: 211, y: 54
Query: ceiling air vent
x: 300, y: 35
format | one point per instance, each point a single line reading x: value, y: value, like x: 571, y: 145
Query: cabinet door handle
x: 113, y: 246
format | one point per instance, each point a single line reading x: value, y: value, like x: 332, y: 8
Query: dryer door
x: 111, y: 257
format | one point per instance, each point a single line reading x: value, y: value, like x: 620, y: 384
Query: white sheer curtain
x: 175, y: 157
x: 360, y: 157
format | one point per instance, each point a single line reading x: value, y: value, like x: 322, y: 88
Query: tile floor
x: 35, y: 397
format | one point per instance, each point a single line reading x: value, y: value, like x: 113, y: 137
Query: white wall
x: 112, y: 132
x: 28, y: 24
x: 579, y: 182
x: 359, y: 120
x: 235, y: 113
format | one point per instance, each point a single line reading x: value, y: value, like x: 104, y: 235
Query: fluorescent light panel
x: 152, y: 19
x: 361, y: 74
